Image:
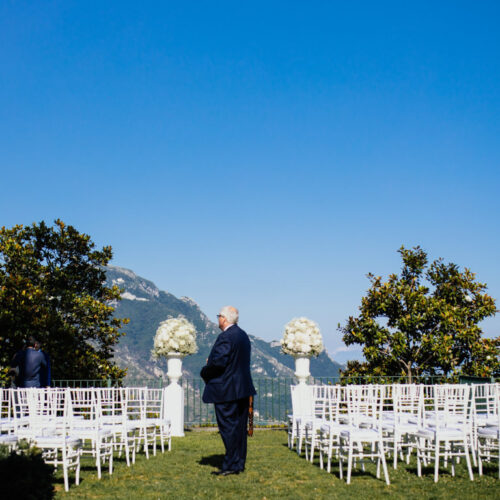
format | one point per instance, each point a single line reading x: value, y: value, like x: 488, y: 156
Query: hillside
x: 146, y: 306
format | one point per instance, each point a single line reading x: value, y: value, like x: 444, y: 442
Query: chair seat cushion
x: 8, y: 439
x: 159, y: 421
x: 401, y: 428
x: 489, y: 432
x: 316, y: 422
x: 89, y: 432
x: 448, y: 433
x: 360, y: 434
x: 332, y: 427
x: 57, y: 441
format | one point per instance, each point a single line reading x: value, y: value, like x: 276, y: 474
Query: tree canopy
x: 423, y: 322
x: 52, y: 286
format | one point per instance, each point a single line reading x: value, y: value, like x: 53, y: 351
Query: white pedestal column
x: 302, y: 369
x: 174, y: 395
x: 303, y: 391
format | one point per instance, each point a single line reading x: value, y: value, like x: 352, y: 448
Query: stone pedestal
x: 302, y: 369
x: 174, y: 394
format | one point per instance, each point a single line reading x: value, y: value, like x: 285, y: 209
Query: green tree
x: 52, y: 286
x: 423, y: 322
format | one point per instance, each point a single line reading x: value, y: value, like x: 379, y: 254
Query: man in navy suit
x: 229, y: 386
x: 31, y: 364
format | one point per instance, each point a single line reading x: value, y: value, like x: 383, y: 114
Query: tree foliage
x: 52, y: 286
x: 423, y: 322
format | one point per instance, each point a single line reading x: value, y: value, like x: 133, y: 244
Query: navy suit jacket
x: 227, y: 372
x: 31, y: 364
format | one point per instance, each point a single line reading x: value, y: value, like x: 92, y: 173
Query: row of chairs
x: 357, y: 422
x: 65, y: 423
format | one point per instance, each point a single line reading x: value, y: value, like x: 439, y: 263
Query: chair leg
x: 98, y: 459
x: 480, y: 461
x: 436, y: 462
x: 473, y: 448
x: 382, y: 458
x: 349, y: 462
x: 146, y: 444
x: 313, y: 443
x: 299, y: 443
x: 162, y: 440
x: 395, y: 451
x: 329, y: 456
x: 77, y: 472
x: 127, y: 451
x: 467, y: 459
x: 65, y: 466
x: 418, y: 448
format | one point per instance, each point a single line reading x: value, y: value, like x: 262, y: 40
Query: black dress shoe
x: 229, y: 472
x: 224, y: 472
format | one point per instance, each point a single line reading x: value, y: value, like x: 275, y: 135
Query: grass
x: 273, y: 472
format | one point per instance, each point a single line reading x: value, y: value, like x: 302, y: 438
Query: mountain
x: 146, y: 306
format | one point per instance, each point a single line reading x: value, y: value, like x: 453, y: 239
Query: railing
x: 272, y: 403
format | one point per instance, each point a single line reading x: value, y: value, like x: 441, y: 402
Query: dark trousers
x: 232, y: 418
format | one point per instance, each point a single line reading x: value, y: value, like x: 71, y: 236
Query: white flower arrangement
x: 302, y: 338
x: 175, y: 335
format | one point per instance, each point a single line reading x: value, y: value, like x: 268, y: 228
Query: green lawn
x: 273, y: 471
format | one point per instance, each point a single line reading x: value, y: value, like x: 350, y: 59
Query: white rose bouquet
x: 302, y: 338
x: 175, y: 335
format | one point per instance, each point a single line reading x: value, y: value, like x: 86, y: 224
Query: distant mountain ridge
x: 146, y: 306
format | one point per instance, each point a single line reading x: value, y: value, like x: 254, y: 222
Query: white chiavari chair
x: 363, y: 437
x: 488, y: 436
x: 85, y: 420
x: 403, y: 421
x: 329, y: 439
x: 113, y: 405
x: 135, y: 399
x: 320, y: 408
x: 483, y: 410
x: 155, y: 414
x: 7, y: 426
x: 43, y: 418
x: 445, y: 431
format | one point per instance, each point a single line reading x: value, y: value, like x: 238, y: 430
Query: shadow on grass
x: 212, y: 460
x: 428, y: 471
x: 491, y: 470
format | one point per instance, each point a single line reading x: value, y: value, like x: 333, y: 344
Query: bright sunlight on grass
x: 273, y: 471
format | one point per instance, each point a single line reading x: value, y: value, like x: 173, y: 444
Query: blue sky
x: 266, y: 155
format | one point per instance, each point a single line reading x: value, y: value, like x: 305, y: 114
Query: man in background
x: 229, y: 386
x: 30, y: 364
x: 45, y: 373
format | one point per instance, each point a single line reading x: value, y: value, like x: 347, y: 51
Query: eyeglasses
x: 220, y: 316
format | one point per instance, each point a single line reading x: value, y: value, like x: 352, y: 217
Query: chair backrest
x: 364, y: 405
x: 484, y: 400
x: 5, y: 403
x: 451, y: 406
x: 109, y: 401
x: 336, y: 403
x: 84, y: 404
x: 155, y: 403
x: 40, y: 411
x: 408, y: 399
x: 134, y: 402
